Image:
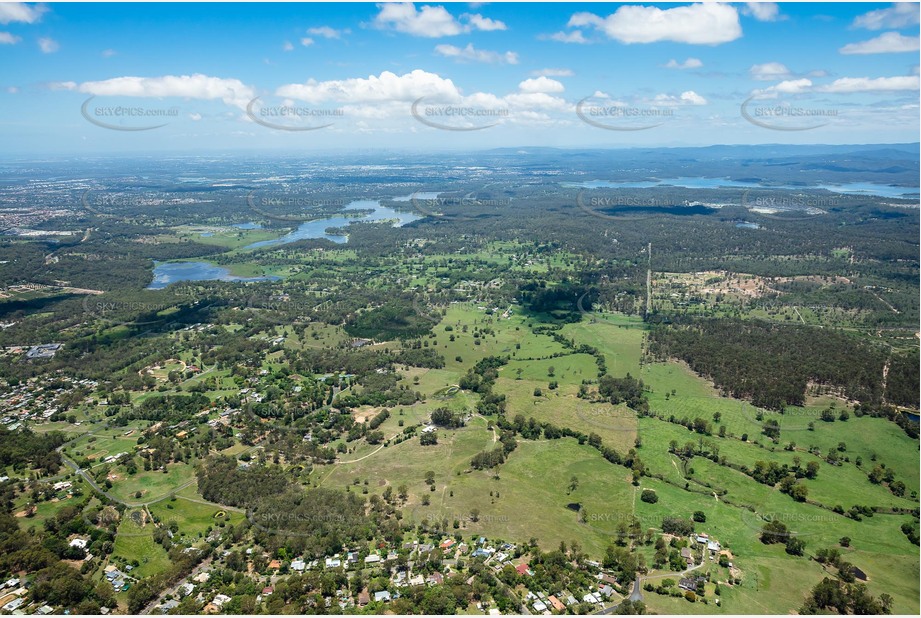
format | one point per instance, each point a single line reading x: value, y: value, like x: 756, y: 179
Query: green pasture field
x: 193, y: 518
x: 153, y: 484
x: 135, y: 542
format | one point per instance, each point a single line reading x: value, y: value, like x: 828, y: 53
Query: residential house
x: 435, y: 579
x: 690, y: 583
x: 556, y: 604
x: 166, y: 606
x: 219, y: 600
x: 608, y: 579
x: 14, y: 605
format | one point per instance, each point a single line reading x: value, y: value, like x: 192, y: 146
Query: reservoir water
x: 165, y: 273
x: 318, y: 227
x: 852, y: 188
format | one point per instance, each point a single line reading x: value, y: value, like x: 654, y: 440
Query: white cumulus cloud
x: 541, y: 84
x: 685, y: 98
x: 886, y: 43
x: 471, y: 54
x: 430, y: 21
x: 788, y: 86
x: 478, y: 22
x: 847, y: 85
x: 575, y: 36
x: 702, y: 24
x: 20, y: 12
x: 48, y: 45
x: 327, y: 32
x: 690, y: 63
x: 375, y: 88
x: 7, y: 38
x: 387, y: 96
x: 769, y: 71
x: 197, y: 86
x: 763, y: 11
x: 552, y: 73
x: 899, y: 15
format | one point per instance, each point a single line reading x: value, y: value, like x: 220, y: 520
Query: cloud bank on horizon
x: 647, y: 73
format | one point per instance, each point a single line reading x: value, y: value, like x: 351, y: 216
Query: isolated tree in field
x: 774, y: 532
x: 428, y: 439
x: 573, y: 483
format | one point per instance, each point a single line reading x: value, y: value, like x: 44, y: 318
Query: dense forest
x: 319, y: 522
x: 772, y: 364
x: 25, y: 449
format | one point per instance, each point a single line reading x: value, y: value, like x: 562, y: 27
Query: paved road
x: 92, y: 483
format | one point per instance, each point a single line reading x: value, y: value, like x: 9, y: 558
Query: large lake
x: 852, y: 188
x: 318, y: 227
x: 166, y: 273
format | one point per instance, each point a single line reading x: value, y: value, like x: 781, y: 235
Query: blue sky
x: 227, y: 77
